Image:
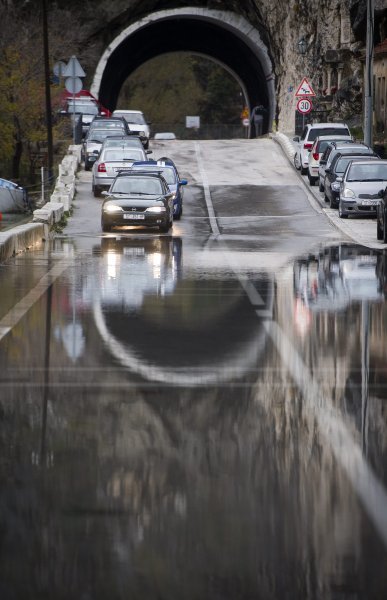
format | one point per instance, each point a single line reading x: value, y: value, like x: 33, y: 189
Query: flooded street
x: 199, y: 414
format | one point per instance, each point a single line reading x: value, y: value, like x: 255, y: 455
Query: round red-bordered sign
x: 304, y: 106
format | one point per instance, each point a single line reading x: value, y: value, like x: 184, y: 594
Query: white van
x: 137, y: 124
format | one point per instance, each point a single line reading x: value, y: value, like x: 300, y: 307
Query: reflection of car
x: 171, y: 176
x: 136, y: 123
x: 110, y: 161
x: 138, y: 198
x: 316, y: 152
x: 381, y: 215
x: 334, y: 174
x: 334, y: 278
x: 360, y: 187
x: 305, y: 142
x: 96, y: 135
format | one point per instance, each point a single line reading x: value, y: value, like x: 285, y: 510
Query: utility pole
x: 369, y: 75
x: 48, y: 91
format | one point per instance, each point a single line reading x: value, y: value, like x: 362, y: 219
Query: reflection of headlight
x: 348, y: 193
x: 112, y: 208
x: 155, y: 259
x: 335, y: 186
x: 156, y: 209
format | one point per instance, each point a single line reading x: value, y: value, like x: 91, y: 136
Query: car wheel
x: 303, y: 171
x: 321, y: 187
x: 312, y: 180
x: 379, y: 230
x: 342, y: 215
x: 165, y: 228
x: 332, y: 203
x: 296, y: 163
x: 326, y: 199
x: 146, y: 145
x: 105, y: 227
x: 177, y: 216
x: 385, y: 229
x: 96, y: 191
x: 87, y: 166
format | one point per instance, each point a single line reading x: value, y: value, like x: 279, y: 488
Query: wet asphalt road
x: 199, y: 414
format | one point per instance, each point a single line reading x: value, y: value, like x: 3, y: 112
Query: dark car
x: 171, y: 176
x: 138, y: 198
x: 334, y: 148
x: 336, y: 170
x: 381, y: 216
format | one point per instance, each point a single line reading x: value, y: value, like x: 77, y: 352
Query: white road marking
x: 206, y: 187
x: 12, y: 318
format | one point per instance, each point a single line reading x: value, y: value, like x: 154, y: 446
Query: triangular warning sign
x: 305, y: 89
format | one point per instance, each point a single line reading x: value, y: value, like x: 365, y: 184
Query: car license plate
x: 134, y: 216
x: 369, y: 202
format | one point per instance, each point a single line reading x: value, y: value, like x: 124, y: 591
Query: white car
x: 137, y: 124
x: 316, y: 152
x: 112, y: 161
x: 310, y: 133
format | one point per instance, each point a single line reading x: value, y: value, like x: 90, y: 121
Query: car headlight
x: 347, y: 193
x: 156, y: 209
x: 335, y: 186
x: 113, y: 208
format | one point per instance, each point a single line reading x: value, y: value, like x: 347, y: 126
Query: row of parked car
x: 137, y: 191
x: 352, y: 177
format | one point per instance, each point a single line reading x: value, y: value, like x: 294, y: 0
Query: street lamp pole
x: 48, y: 91
x: 368, y: 90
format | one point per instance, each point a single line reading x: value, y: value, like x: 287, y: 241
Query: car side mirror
x: 339, y: 179
x: 323, y: 162
x: 105, y: 193
x: 328, y: 171
x: 296, y: 138
x: 381, y: 193
x: 96, y: 152
x: 183, y: 182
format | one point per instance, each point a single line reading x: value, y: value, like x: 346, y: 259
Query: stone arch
x: 223, y: 36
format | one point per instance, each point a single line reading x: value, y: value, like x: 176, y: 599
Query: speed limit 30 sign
x: 304, y: 106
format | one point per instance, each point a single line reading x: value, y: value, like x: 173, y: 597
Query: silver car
x: 360, y: 187
x: 136, y: 123
x: 113, y: 160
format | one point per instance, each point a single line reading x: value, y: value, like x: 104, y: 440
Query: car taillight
x: 308, y: 146
x: 102, y: 168
x: 315, y: 155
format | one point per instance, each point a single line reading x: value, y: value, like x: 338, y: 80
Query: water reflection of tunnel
x: 200, y: 331
x: 239, y: 49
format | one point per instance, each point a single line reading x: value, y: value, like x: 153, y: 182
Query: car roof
x: 122, y: 110
x: 370, y: 161
x: 333, y: 138
x: 333, y: 125
x: 139, y: 172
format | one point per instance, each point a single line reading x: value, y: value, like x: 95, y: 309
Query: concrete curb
x: 21, y: 238
x: 345, y: 226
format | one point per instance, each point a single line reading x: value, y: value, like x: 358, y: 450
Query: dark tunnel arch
x: 237, y: 46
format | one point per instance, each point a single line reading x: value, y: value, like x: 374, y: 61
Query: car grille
x: 369, y: 196
x: 367, y: 208
x: 132, y: 208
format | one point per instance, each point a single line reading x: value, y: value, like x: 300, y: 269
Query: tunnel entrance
x: 222, y: 36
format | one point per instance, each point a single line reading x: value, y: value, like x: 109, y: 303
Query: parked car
x: 96, y: 135
x: 381, y: 216
x: 165, y: 135
x: 121, y: 141
x: 360, y: 187
x: 310, y: 133
x: 137, y: 124
x: 112, y: 161
x: 335, y: 148
x: 316, y: 152
x: 88, y: 109
x: 171, y: 176
x: 138, y: 198
x: 334, y: 173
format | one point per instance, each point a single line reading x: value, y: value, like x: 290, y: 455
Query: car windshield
x: 323, y: 144
x: 168, y: 173
x: 98, y: 135
x: 137, y: 185
x: 85, y: 108
x: 369, y: 172
x: 105, y: 124
x: 313, y: 133
x: 342, y: 164
x: 123, y: 143
x: 123, y: 154
x: 134, y: 118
